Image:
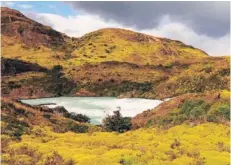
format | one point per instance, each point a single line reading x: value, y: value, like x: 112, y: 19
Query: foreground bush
x: 206, y: 144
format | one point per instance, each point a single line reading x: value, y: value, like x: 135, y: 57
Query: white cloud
x: 79, y: 25
x: 178, y: 31
x: 75, y: 26
x: 25, y: 6
x: 7, y: 4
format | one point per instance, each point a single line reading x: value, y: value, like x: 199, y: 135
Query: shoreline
x: 117, y: 97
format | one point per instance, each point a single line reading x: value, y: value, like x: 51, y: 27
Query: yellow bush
x: 208, y: 143
x: 225, y: 94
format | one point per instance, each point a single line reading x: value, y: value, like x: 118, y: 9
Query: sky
x: 205, y: 25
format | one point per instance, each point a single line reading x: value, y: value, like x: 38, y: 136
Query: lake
x: 98, y: 107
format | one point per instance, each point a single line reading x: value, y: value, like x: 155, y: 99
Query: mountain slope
x: 127, y: 46
x: 213, y: 106
x: 102, y: 45
x: 106, y: 62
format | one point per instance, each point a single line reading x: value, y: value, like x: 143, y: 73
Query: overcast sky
x: 205, y: 25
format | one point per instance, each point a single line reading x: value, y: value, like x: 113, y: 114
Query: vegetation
x: 19, y: 119
x: 78, y: 117
x: 37, y: 61
x: 117, y: 122
x: 188, y: 108
x: 206, y: 144
x: 106, y: 62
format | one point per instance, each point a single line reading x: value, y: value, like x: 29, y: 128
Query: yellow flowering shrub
x: 206, y: 144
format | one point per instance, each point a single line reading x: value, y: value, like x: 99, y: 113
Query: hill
x: 121, y: 45
x: 33, y: 38
x: 106, y: 62
x: 193, y: 109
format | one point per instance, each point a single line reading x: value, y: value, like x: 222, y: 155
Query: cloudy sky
x: 205, y: 25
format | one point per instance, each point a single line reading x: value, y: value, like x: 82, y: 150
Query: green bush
x: 180, y: 118
x: 117, y: 122
x: 78, y: 117
x: 166, y: 120
x: 194, y: 108
x: 219, y: 111
x: 224, y: 110
x: 149, y: 123
x: 77, y: 128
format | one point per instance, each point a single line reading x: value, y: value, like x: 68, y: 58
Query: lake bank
x: 98, y: 107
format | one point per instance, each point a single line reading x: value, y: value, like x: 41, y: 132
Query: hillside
x: 193, y: 109
x: 107, y: 62
x: 18, y: 119
x: 33, y: 38
x: 127, y: 46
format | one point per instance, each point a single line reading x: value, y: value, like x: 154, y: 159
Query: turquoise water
x: 98, y: 107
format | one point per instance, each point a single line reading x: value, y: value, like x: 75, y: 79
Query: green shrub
x: 60, y: 109
x: 78, y: 117
x: 149, y: 123
x: 14, y: 127
x: 194, y: 108
x: 224, y: 110
x: 77, y: 128
x: 219, y: 110
x: 166, y: 120
x: 180, y: 118
x: 117, y: 122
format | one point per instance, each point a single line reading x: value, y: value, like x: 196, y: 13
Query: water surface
x: 98, y: 107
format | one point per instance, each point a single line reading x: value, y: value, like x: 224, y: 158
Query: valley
x: 186, y: 121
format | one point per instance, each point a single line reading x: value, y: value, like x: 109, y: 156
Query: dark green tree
x: 117, y: 122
